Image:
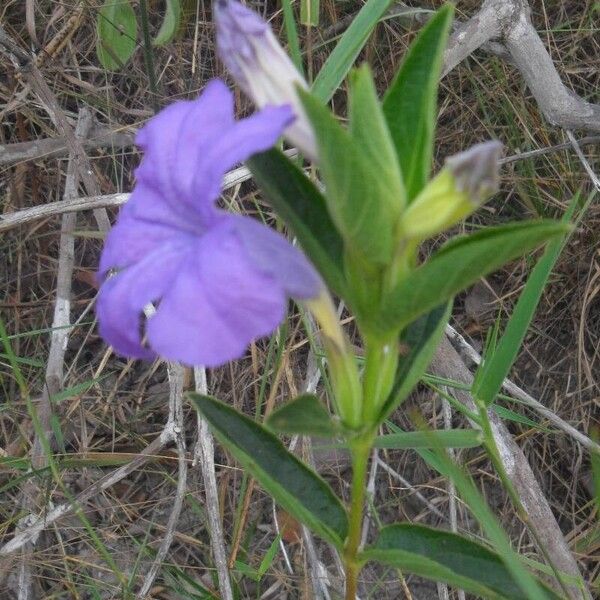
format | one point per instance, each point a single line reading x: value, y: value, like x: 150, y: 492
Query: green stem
x: 360, y: 458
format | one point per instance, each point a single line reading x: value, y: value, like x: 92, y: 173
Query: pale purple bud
x: 259, y: 65
x: 476, y: 170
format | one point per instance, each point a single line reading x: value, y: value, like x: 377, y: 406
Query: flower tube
x: 259, y: 65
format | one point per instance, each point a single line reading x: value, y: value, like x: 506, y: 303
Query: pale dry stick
x: 320, y: 576
x: 56, y: 356
x: 286, y: 558
x: 8, y: 221
x: 233, y: 178
x: 467, y: 351
x: 20, y: 152
x: 204, y: 454
x: 430, y: 506
x: 59, y: 119
x: 38, y: 523
x: 510, y: 22
x: 176, y: 424
x: 584, y: 161
x: 447, y: 363
x: 585, y: 141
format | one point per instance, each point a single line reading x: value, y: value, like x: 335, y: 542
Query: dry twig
x: 204, y: 453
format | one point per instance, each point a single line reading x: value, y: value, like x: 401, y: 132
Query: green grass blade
x: 499, y: 361
x: 340, y: 61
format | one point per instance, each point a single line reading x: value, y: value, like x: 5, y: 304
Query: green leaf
x: 359, y: 200
x: 448, y: 557
x: 170, y: 23
x: 418, y: 343
x: 299, y: 490
x: 117, y: 34
x: 510, y: 415
x: 459, y: 264
x: 302, y: 207
x: 370, y: 131
x: 340, y: 61
x: 267, y: 561
x: 291, y: 33
x: 497, y: 363
x: 305, y: 415
x: 452, y: 438
x: 410, y: 104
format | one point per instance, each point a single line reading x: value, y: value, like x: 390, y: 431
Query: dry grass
x: 116, y: 407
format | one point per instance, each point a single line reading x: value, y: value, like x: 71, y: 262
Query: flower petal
x: 273, y: 254
x: 244, y: 138
x: 144, y: 224
x: 174, y: 142
x: 217, y: 305
x: 123, y: 297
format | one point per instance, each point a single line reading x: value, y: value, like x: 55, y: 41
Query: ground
x: 110, y: 409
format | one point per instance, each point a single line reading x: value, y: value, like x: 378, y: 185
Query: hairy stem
x: 360, y: 458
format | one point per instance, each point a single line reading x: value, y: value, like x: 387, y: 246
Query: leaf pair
x: 431, y: 553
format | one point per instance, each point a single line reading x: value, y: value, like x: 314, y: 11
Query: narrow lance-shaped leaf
x: 170, y: 24
x: 302, y: 207
x: 448, y: 438
x: 410, y: 104
x: 448, y: 557
x: 341, y: 60
x: 298, y: 489
x: 531, y: 588
x: 459, y: 264
x: 369, y: 129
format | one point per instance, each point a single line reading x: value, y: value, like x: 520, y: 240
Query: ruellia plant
x: 190, y: 282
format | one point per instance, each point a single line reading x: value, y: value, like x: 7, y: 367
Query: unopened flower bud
x: 463, y: 185
x: 260, y: 66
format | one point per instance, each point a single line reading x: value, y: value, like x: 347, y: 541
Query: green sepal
x: 360, y: 201
x: 298, y: 489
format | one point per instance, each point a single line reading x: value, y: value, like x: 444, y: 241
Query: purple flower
x: 260, y: 66
x: 218, y: 280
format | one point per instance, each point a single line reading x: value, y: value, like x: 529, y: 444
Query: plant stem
x: 360, y: 457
